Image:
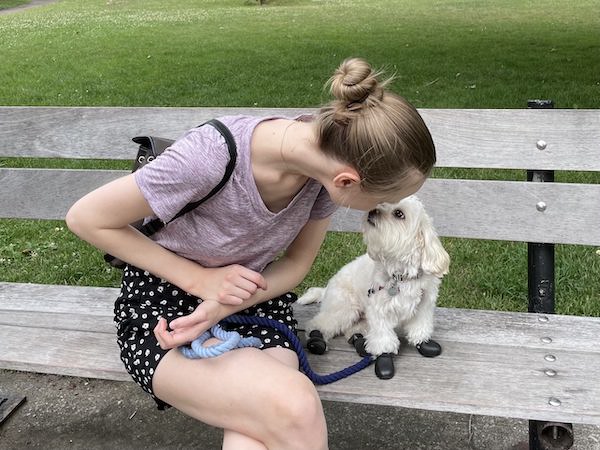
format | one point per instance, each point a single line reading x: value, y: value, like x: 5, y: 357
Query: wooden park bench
x: 538, y: 366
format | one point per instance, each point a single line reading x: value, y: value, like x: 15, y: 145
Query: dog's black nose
x: 372, y: 215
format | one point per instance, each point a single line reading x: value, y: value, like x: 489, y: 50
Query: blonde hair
x: 377, y: 132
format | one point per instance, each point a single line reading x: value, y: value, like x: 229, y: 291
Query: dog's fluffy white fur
x: 401, y: 242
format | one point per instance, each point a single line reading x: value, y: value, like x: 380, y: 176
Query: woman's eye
x: 398, y: 214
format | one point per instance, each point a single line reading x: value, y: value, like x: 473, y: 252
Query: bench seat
x: 68, y: 330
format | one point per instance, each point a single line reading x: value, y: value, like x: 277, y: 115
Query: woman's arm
x: 288, y: 271
x: 102, y: 218
x: 281, y: 276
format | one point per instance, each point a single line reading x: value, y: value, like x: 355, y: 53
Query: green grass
x: 461, y: 53
x: 445, y: 54
x: 45, y: 251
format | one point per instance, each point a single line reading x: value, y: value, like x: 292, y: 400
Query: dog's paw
x: 315, y: 343
x: 429, y: 348
x: 384, y: 366
x: 358, y: 341
x: 377, y: 344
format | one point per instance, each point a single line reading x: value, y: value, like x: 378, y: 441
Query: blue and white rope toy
x: 232, y: 339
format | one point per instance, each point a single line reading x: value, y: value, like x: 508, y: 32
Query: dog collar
x: 396, y: 278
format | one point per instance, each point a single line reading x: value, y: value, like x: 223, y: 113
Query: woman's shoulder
x: 240, y: 125
x: 243, y: 125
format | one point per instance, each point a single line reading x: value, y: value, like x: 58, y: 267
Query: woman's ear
x: 346, y: 177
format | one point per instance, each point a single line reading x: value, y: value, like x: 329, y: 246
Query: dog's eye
x: 398, y: 214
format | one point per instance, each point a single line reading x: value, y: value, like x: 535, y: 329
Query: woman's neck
x: 284, y: 156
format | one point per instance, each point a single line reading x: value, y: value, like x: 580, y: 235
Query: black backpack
x: 150, y: 147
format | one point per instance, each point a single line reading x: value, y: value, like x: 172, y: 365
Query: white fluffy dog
x: 394, y: 285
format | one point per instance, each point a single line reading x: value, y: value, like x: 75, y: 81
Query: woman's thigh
x: 244, y: 390
x: 283, y: 355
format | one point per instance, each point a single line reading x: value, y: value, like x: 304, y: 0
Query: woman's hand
x: 187, y: 328
x: 229, y: 285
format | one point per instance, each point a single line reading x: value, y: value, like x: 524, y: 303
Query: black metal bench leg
x: 540, y: 269
x: 550, y: 435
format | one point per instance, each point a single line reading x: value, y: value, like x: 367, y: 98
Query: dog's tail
x: 313, y: 295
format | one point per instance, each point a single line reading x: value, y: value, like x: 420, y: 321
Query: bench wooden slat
x: 58, y: 321
x: 92, y: 308
x: 487, y: 138
x: 480, y: 349
x: 480, y: 327
x: 460, y: 208
x: 59, y: 299
x: 507, y: 138
x: 62, y: 352
x: 508, y: 210
x: 471, y: 379
x: 102, y: 132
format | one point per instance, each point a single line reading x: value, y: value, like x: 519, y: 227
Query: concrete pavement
x: 89, y: 414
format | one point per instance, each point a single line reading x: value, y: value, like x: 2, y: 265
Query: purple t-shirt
x: 234, y: 226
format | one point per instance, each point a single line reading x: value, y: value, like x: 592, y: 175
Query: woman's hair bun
x: 355, y: 81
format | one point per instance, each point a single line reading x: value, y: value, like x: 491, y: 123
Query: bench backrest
x: 528, y: 139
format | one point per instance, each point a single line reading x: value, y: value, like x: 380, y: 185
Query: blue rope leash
x: 232, y: 339
x: 304, y: 365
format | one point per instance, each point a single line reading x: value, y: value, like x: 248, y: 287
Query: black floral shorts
x: 144, y: 297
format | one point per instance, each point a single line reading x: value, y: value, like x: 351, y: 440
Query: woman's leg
x: 250, y: 392
x: 232, y: 440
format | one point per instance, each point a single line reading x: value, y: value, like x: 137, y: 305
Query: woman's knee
x: 300, y: 413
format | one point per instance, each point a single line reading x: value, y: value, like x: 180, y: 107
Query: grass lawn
x: 455, y: 54
x: 461, y: 53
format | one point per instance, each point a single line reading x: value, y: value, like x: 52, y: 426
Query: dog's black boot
x: 384, y: 366
x: 429, y: 348
x: 358, y: 341
x: 316, y: 344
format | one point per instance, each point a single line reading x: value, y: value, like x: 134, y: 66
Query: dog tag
x: 393, y: 291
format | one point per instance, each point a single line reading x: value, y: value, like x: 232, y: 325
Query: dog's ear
x: 435, y: 260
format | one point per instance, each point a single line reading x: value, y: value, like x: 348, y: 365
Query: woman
x: 246, y: 248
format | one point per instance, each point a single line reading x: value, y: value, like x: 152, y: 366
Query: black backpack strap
x: 228, y: 170
x: 156, y: 224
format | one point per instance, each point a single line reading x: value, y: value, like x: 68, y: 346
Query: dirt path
x: 31, y: 4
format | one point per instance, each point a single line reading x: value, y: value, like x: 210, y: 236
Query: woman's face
x: 356, y: 198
